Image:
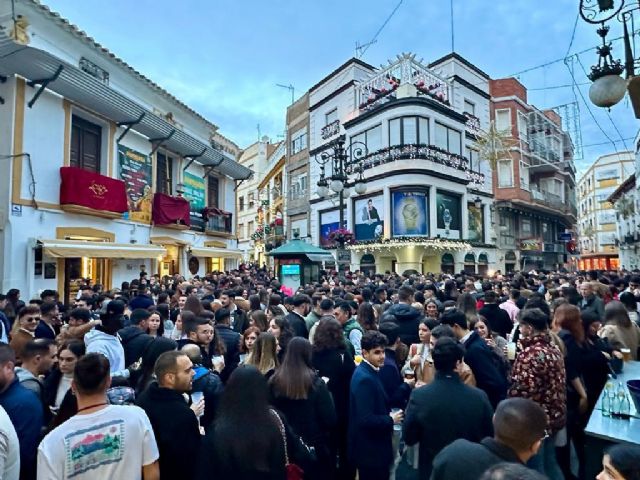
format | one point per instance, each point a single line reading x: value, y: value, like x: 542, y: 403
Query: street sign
x: 564, y: 237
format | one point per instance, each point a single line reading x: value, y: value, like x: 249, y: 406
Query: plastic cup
x: 626, y: 354
x: 196, y: 397
x: 511, y: 351
x: 397, y: 426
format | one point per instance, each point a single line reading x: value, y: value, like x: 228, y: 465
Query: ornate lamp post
x: 608, y: 86
x: 344, y: 162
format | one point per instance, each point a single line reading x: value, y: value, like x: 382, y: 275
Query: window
x: 408, y: 130
x: 503, y: 119
x: 298, y: 141
x: 522, y: 126
x: 241, y: 232
x: 448, y: 139
x: 241, y: 203
x: 251, y: 199
x: 505, y: 173
x: 213, y: 191
x: 473, y: 156
x: 250, y: 228
x: 331, y: 116
x: 164, y: 174
x: 469, y: 107
x: 372, y: 138
x: 525, y: 226
x: 85, y: 144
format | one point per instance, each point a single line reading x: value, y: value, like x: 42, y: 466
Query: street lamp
x: 343, y: 165
x: 477, y: 202
x: 608, y: 86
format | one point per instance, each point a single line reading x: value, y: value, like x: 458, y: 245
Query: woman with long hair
x: 245, y: 442
x: 254, y: 303
x: 257, y: 318
x: 496, y: 342
x: 367, y: 317
x: 144, y: 376
x: 264, y: 355
x: 303, y: 397
x: 279, y: 327
x: 419, y: 353
x: 248, y: 341
x: 58, y: 382
x: 618, y: 328
x: 155, y: 325
x: 466, y: 303
x: 432, y: 310
x: 332, y: 360
x: 193, y: 305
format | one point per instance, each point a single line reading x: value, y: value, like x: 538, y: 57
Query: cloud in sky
x: 225, y: 57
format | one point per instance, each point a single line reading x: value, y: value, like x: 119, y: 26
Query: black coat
x: 239, y: 320
x: 442, y: 412
x: 498, y: 320
x: 134, y: 341
x: 176, y: 430
x: 395, y: 387
x: 210, y: 385
x: 231, y: 340
x: 44, y: 331
x: 370, y: 426
x: 337, y: 366
x: 408, y: 319
x: 468, y: 460
x: 484, y: 364
x: 298, y: 325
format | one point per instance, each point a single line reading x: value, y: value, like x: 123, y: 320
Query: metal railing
x: 219, y: 222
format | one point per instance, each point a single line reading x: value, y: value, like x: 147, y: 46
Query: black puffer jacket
x: 134, y: 341
x: 408, y: 319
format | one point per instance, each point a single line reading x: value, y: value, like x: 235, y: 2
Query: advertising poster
x: 135, y: 171
x: 329, y: 222
x: 448, y: 213
x: 410, y: 214
x: 476, y: 223
x: 194, y: 193
x: 369, y: 217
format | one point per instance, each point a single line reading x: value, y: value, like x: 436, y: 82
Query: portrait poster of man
x: 476, y: 223
x: 369, y: 218
x: 410, y: 214
x: 448, y: 222
x: 329, y: 222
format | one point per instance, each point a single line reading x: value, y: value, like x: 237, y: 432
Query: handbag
x: 294, y: 472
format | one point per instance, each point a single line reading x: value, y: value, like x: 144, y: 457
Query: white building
x: 99, y: 163
x: 428, y: 200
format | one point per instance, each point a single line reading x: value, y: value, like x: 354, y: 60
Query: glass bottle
x: 606, y: 399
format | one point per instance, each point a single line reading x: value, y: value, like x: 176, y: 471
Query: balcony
x: 89, y: 193
x: 171, y: 212
x: 330, y: 130
x: 473, y: 123
x: 422, y: 152
x: 218, y: 223
x: 554, y: 201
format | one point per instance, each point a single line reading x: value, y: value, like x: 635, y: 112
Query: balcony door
x: 85, y: 144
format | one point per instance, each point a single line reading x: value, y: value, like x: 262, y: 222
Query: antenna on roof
x: 290, y: 88
x: 361, y: 49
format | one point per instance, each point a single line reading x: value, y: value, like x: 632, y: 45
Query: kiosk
x: 298, y: 263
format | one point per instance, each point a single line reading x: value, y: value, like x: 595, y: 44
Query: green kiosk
x: 298, y: 263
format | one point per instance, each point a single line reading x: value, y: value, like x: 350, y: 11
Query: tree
x: 495, y: 144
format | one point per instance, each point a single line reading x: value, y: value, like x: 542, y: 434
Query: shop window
x: 86, y: 140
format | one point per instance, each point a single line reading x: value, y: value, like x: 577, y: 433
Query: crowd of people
x: 227, y: 376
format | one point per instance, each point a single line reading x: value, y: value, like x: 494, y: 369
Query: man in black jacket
x: 135, y: 339
x: 446, y: 409
x: 406, y: 316
x: 296, y: 318
x: 239, y: 321
x: 498, y: 320
x: 231, y: 342
x: 519, y: 428
x: 481, y: 359
x: 174, y: 424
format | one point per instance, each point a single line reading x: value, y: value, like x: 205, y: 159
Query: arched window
x: 447, y: 263
x: 509, y: 261
x: 470, y: 264
x: 368, y: 264
x: 483, y: 264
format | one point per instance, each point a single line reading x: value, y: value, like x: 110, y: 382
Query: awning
x: 211, y: 252
x: 83, y: 89
x: 319, y: 257
x: 78, y: 248
x: 165, y: 240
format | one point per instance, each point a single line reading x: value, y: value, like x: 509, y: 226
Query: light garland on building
x: 436, y: 244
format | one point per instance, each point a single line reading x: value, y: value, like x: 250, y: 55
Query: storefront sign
x: 448, y: 214
x: 531, y: 245
x: 410, y: 214
x: 135, y: 171
x: 476, y: 223
x: 368, y: 216
x: 194, y: 193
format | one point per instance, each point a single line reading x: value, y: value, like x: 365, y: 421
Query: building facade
x: 428, y: 200
x: 533, y: 183
x: 598, y: 219
x: 107, y: 173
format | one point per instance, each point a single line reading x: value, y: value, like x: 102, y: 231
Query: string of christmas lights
x: 436, y: 244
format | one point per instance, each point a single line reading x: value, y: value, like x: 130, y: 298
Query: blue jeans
x: 545, y: 460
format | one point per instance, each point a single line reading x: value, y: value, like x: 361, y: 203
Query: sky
x: 224, y: 58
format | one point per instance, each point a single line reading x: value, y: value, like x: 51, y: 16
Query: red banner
x: 168, y: 210
x: 92, y: 190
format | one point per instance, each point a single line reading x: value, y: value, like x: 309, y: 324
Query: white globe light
x: 323, y: 191
x: 360, y: 188
x: 346, y: 193
x: 607, y: 91
x: 336, y: 185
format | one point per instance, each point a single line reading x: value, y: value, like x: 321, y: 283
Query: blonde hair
x: 264, y: 356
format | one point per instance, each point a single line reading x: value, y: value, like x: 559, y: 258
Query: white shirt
x: 63, y: 388
x: 9, y: 449
x: 466, y: 337
x: 115, y: 442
